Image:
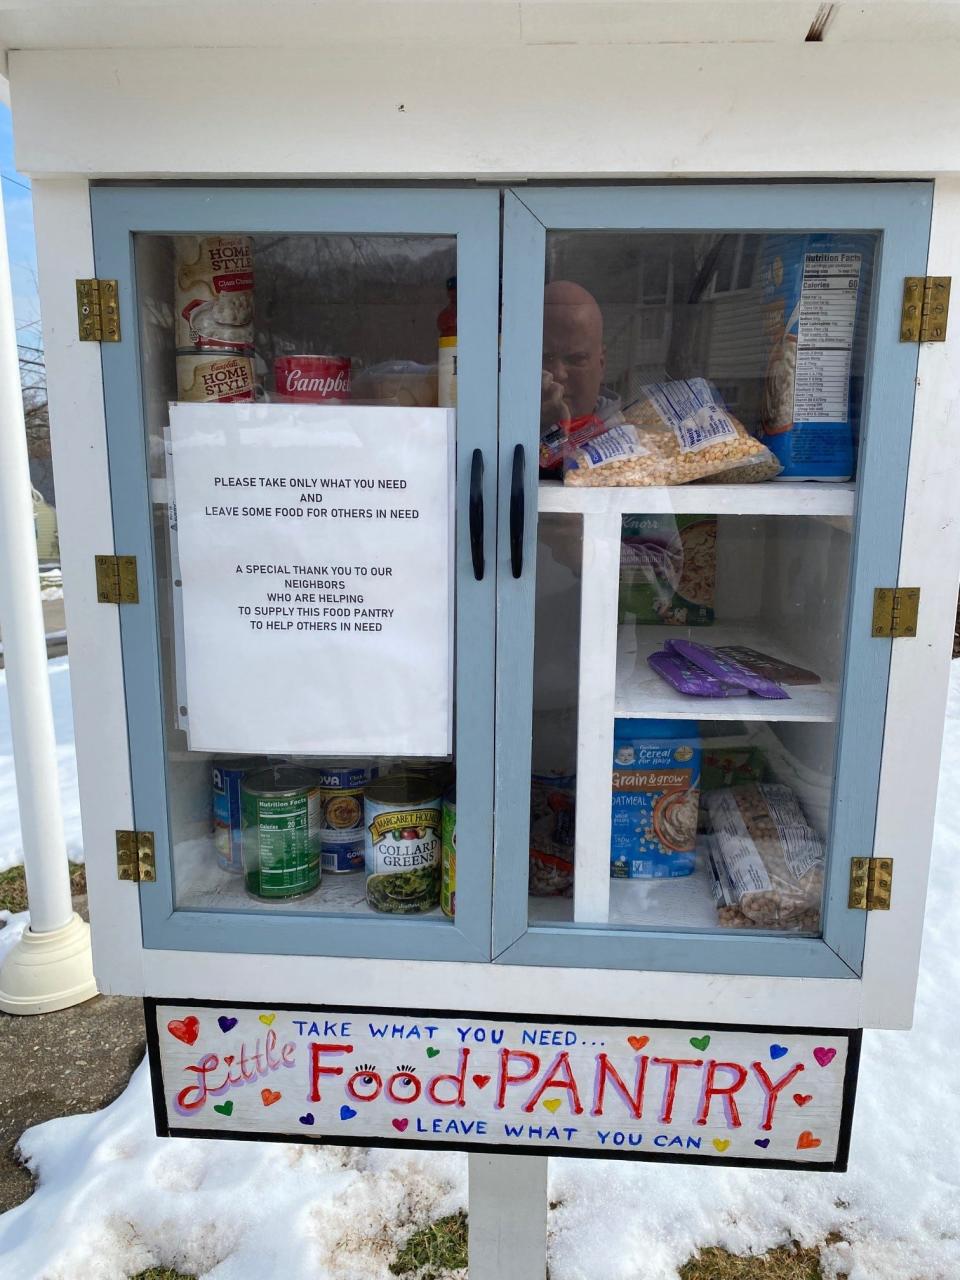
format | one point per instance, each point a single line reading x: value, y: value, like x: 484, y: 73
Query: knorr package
x: 656, y: 792
x: 812, y: 316
x: 674, y: 433
x: 667, y: 569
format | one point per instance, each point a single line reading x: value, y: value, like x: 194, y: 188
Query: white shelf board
x: 642, y: 694
x: 201, y: 885
x: 682, y: 902
x: 767, y: 499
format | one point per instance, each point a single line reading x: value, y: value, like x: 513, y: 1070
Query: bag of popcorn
x: 675, y: 433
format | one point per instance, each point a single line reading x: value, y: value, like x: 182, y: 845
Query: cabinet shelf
x: 774, y: 498
x: 642, y: 694
x: 201, y: 885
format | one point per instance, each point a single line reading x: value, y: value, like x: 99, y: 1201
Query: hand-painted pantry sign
x: 383, y: 1077
x: 314, y: 546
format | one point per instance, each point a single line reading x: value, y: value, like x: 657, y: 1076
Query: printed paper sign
x: 379, y: 1077
x: 314, y: 547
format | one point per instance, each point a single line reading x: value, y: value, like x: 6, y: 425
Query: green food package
x: 730, y: 766
x: 667, y: 569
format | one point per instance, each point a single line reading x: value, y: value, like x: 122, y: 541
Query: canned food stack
x: 213, y: 304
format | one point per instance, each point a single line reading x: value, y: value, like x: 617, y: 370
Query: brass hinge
x: 117, y: 579
x: 926, y: 305
x: 871, y: 884
x: 136, y: 856
x: 895, y: 611
x: 98, y: 311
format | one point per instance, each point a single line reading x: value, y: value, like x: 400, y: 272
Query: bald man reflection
x: 574, y: 361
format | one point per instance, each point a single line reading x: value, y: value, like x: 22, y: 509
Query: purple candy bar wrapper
x: 725, y: 668
x: 688, y: 678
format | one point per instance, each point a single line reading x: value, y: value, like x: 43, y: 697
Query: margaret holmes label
x: 402, y: 845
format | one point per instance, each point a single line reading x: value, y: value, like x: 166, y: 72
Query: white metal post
x: 50, y: 968
x: 507, y: 1232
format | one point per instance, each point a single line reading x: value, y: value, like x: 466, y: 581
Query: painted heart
x: 270, y: 1096
x: 807, y: 1141
x: 267, y: 1019
x: 226, y: 1024
x: 400, y: 1125
x: 778, y: 1051
x: 185, y: 1029
x: 347, y: 1113
x: 432, y: 1053
x: 307, y: 1119
x: 700, y: 1042
x: 824, y: 1056
x: 481, y: 1081
x: 801, y: 1099
x: 761, y: 1142
x: 638, y: 1042
x: 721, y: 1143
x: 553, y: 1104
x: 228, y: 1058
x: 225, y: 1108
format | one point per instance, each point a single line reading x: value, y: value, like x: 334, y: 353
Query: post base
x: 44, y: 972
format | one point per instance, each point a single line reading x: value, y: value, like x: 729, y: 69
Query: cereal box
x: 656, y: 793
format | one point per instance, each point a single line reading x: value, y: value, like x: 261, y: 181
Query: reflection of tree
x: 33, y: 383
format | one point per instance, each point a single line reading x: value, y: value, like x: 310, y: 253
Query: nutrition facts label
x: 828, y: 312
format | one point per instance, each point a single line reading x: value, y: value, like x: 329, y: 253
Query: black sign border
x: 853, y: 1036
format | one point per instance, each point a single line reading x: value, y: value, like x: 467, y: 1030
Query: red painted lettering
x: 726, y: 1092
x: 457, y: 1078
x: 673, y: 1066
x: 317, y: 1070
x: 605, y: 1069
x: 504, y: 1077
x: 558, y: 1076
x: 773, y: 1090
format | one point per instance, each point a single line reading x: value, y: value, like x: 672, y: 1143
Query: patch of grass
x: 161, y: 1273
x: 13, y: 886
x: 789, y: 1262
x: 441, y: 1244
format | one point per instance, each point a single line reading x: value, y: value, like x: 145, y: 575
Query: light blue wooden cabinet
x: 782, y: 299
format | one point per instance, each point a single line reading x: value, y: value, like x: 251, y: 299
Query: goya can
x: 402, y: 844
x: 280, y: 812
x: 227, y: 776
x: 448, y: 855
x: 341, y: 785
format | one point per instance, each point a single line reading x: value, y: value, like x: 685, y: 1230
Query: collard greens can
x: 280, y: 811
x: 402, y: 821
x: 448, y: 856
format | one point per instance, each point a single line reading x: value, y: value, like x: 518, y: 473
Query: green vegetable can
x: 448, y: 856
x: 281, y: 813
x: 402, y: 826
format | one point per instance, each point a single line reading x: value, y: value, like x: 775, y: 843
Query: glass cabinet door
x: 302, y: 434
x: 705, y: 424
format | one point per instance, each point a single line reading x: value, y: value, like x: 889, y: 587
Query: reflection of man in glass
x: 572, y: 395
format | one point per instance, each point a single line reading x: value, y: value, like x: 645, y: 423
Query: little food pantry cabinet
x: 670, y: 326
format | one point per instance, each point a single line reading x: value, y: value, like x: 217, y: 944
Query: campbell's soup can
x: 214, y: 292
x: 312, y: 379
x: 206, y: 378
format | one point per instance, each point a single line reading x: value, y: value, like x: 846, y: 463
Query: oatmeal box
x: 656, y: 795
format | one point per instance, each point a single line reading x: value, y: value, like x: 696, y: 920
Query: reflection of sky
x: 22, y: 249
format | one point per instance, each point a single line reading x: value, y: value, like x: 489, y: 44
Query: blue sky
x: 22, y: 247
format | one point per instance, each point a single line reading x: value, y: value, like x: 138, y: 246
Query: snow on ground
x: 114, y: 1199
x: 11, y: 844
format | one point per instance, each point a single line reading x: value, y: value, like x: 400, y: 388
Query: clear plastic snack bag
x: 675, y: 433
x: 767, y: 861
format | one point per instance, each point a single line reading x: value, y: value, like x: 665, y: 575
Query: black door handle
x: 517, y: 511
x: 476, y: 513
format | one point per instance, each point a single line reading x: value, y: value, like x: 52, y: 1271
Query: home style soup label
x: 769, y: 1096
